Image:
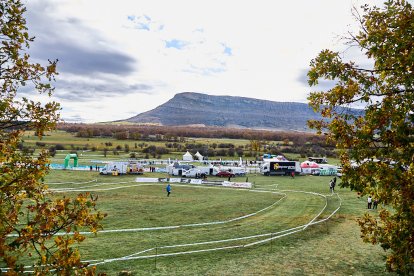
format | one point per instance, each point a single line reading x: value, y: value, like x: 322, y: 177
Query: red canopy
x: 309, y: 164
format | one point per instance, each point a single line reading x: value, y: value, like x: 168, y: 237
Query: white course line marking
x: 171, y: 226
x: 274, y: 235
x: 74, y: 183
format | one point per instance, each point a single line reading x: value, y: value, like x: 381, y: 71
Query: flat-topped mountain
x: 200, y: 109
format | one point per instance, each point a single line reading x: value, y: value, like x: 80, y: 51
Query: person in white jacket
x: 369, y: 202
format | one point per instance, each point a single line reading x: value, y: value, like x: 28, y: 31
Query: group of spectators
x: 372, y: 204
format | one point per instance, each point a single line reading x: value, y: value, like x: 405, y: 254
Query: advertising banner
x: 246, y: 185
x: 142, y: 179
x: 196, y: 181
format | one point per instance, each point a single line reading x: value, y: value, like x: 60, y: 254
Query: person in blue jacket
x: 168, y: 188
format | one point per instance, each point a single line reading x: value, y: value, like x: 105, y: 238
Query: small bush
x: 52, y: 151
x: 59, y: 147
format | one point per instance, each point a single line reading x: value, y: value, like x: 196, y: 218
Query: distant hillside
x: 200, y: 109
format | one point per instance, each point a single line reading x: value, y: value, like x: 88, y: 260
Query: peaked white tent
x: 199, y: 156
x: 187, y: 157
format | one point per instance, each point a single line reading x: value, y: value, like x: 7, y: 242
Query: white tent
x: 187, y: 157
x: 199, y: 156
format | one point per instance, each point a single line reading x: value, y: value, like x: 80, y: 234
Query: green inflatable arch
x: 73, y: 156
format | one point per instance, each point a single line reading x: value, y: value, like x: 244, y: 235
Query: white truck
x: 121, y: 167
x: 200, y: 171
x: 194, y: 172
x: 114, y: 168
x: 280, y: 168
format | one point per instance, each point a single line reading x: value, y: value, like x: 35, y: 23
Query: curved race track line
x: 267, y: 237
x: 274, y: 235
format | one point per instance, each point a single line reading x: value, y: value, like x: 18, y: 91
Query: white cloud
x: 254, y: 49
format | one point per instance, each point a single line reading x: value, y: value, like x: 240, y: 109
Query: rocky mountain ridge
x: 189, y: 108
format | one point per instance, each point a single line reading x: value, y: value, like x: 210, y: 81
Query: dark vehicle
x: 318, y: 160
x: 280, y: 168
x: 225, y: 174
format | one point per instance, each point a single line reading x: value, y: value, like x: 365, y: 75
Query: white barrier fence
x: 244, y: 185
x: 146, y: 180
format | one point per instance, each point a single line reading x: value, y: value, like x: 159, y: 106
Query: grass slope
x: 333, y: 247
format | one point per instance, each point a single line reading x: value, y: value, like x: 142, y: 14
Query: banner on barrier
x: 247, y: 185
x: 196, y: 181
x: 142, y: 179
x: 175, y: 180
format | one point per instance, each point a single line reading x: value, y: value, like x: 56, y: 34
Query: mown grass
x: 332, y: 247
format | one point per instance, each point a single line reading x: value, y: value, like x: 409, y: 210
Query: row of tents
x: 189, y: 157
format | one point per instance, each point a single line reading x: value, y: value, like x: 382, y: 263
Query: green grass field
x: 237, y: 232
x: 86, y: 157
x: 333, y: 247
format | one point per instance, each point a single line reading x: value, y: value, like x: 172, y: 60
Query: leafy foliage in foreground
x: 380, y: 143
x: 29, y: 221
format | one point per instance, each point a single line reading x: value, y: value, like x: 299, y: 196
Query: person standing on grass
x: 369, y: 202
x: 374, y: 206
x: 168, y: 188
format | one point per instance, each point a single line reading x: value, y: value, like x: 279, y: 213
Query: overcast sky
x: 120, y: 58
